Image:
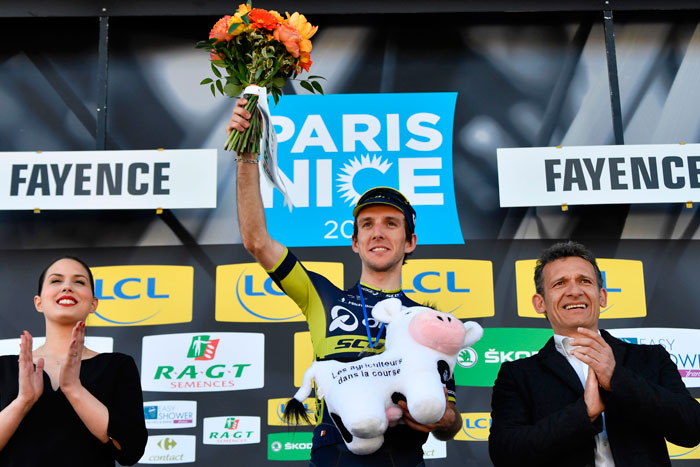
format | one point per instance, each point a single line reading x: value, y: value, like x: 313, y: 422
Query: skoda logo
x: 467, y: 358
x: 276, y: 446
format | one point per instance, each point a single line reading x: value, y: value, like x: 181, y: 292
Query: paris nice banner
x: 333, y: 148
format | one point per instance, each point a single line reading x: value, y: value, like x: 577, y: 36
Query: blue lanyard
x: 364, y: 312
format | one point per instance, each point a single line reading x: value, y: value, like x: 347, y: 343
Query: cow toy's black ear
x: 295, y: 412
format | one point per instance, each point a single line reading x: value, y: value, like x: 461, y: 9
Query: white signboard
x: 149, y: 179
x: 231, y: 430
x: 169, y: 449
x: 434, y: 448
x: 681, y: 344
x: 203, y: 362
x: 170, y: 414
x: 657, y: 173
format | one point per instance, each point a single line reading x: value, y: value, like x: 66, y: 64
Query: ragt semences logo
x: 231, y: 430
x: 224, y: 361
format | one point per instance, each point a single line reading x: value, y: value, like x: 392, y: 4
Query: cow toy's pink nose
x: 444, y: 334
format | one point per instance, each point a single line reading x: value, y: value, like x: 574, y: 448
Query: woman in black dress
x: 64, y: 404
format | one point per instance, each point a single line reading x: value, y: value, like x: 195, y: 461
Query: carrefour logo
x: 275, y: 411
x: 224, y: 361
x: 680, y: 452
x: 461, y: 287
x: 476, y: 426
x: 478, y: 365
x: 246, y: 294
x: 169, y: 449
x: 331, y: 150
x: 294, y: 446
x: 142, y: 295
x: 622, y: 278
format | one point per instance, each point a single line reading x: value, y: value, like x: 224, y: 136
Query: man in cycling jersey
x: 383, y: 236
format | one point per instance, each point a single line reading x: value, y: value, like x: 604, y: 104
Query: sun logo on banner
x: 351, y: 167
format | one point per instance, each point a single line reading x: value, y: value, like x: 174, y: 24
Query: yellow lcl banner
x: 246, y: 294
x: 303, y: 355
x: 476, y: 426
x: 458, y: 286
x: 142, y: 295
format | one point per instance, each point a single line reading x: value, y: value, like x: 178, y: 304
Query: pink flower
x: 220, y: 30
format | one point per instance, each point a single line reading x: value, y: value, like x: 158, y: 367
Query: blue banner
x: 333, y: 148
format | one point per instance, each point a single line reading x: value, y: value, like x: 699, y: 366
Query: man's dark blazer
x: 539, y: 416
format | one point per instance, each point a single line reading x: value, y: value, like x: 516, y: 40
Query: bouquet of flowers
x: 259, y: 50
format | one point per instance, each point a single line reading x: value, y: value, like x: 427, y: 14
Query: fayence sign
x: 183, y: 178
x: 668, y: 173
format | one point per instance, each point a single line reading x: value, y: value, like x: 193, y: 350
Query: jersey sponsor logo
x: 333, y: 149
x: 680, y: 452
x: 622, y: 278
x: 98, y: 344
x: 497, y: 346
x: 142, y: 295
x: 295, y: 446
x: 170, y: 414
x: 275, y: 411
x: 169, y: 449
x: 246, y: 294
x: 345, y: 320
x: 475, y: 427
x: 231, y: 430
x: 681, y: 345
x: 224, y: 361
x: 461, y: 287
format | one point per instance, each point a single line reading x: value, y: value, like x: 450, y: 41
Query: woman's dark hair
x: 77, y: 260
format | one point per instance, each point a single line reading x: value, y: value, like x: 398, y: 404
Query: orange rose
x: 220, y: 30
x: 290, y: 37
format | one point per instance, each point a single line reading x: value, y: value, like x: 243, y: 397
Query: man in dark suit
x: 586, y: 398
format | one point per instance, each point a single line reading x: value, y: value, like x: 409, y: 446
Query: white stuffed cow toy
x: 419, y: 342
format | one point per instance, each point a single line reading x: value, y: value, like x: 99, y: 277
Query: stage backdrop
x: 421, y: 102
